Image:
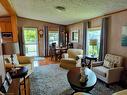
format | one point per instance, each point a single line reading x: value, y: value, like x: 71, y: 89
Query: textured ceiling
x: 3, y: 12
x: 76, y: 10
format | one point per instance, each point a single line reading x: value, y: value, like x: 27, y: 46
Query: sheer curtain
x: 103, y: 39
x: 46, y: 40
x: 85, y: 27
x: 21, y: 41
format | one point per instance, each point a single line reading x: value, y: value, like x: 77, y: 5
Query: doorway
x: 30, y: 41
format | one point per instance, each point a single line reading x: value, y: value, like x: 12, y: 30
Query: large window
x: 93, y: 41
x: 53, y: 37
x: 30, y: 41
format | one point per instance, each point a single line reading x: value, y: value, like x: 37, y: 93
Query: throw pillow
x: 7, y: 60
x: 108, y: 64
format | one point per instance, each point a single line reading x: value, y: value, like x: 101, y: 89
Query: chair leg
x: 107, y: 85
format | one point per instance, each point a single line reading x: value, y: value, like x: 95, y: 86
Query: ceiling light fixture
x: 60, y: 8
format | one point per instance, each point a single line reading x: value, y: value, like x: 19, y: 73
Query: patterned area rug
x: 52, y: 80
x: 38, y: 58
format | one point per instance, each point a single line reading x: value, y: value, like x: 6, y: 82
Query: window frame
x: 87, y: 45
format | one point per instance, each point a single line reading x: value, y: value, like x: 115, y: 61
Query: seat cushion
x: 108, y: 64
x: 7, y: 59
x: 68, y: 60
x: 72, y: 53
x: 101, y: 70
x: 123, y: 92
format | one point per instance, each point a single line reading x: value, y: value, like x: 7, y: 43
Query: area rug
x: 52, y: 80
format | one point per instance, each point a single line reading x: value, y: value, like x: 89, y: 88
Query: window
x: 74, y: 36
x: 30, y: 41
x: 93, y: 41
x: 53, y: 37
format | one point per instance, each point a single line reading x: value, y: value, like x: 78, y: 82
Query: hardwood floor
x: 46, y: 61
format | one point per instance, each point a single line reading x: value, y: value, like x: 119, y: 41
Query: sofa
x: 108, y: 70
x: 71, y: 58
x: 19, y: 61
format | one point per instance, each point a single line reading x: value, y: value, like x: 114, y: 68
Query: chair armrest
x: 25, y: 59
x: 114, y: 74
x: 98, y: 63
x: 80, y: 56
x: 64, y: 55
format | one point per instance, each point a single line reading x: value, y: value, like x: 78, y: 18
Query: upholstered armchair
x: 19, y: 61
x: 108, y: 70
x: 71, y: 58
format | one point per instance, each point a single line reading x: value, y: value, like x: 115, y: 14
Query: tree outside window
x: 93, y: 34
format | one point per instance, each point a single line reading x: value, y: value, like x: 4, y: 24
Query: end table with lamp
x: 16, y: 72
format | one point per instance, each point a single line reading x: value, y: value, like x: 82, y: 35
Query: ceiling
x: 76, y: 10
x: 3, y: 12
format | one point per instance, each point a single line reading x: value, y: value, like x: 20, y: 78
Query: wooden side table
x: 89, y: 58
x: 20, y: 73
x: 14, y: 88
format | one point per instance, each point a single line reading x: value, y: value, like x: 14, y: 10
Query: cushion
x: 68, y: 60
x: 101, y: 70
x: 72, y: 53
x: 24, y: 60
x: 123, y: 92
x: 108, y: 64
x: 8, y: 65
x: 116, y: 60
x: 8, y: 59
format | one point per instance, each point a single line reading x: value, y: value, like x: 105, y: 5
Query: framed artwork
x: 124, y: 36
x: 8, y: 77
x: 75, y: 35
x: 7, y: 36
x: 5, y: 86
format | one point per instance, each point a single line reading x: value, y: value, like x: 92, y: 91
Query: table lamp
x: 10, y: 49
x: 93, y: 43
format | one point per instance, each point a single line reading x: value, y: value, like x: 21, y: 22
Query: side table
x: 89, y: 58
x: 14, y: 87
x: 20, y: 73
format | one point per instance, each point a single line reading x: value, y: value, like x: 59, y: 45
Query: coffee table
x: 74, y: 76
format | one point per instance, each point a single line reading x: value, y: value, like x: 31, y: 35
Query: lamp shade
x: 10, y: 48
x: 93, y: 42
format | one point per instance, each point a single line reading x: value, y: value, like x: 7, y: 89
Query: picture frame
x: 8, y: 77
x: 7, y: 36
x: 75, y: 35
x: 124, y: 36
x: 5, y: 86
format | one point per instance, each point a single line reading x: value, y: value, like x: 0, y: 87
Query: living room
x: 95, y: 28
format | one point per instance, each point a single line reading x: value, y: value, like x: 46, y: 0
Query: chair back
x: 115, y: 59
x: 72, y: 53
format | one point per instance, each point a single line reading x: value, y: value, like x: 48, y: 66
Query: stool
x: 20, y: 73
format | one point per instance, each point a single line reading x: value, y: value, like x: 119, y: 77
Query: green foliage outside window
x: 30, y: 35
x: 93, y: 34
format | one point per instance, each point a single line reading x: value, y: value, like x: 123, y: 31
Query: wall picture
x: 74, y: 35
x: 124, y: 36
